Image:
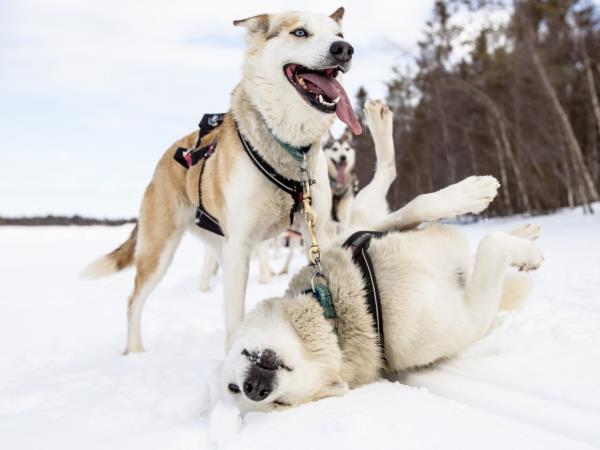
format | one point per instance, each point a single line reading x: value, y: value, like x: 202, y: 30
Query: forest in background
x: 515, y: 98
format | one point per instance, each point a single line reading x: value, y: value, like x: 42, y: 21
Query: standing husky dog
x: 286, y: 101
x: 433, y: 305
x: 341, y: 157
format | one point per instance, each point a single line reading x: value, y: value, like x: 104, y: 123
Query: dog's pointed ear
x: 348, y: 136
x: 338, y: 14
x: 327, y: 140
x: 335, y: 388
x: 254, y: 24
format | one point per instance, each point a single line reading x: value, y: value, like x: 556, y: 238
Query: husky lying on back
x: 433, y: 303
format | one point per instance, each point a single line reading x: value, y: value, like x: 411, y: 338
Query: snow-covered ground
x: 534, y: 382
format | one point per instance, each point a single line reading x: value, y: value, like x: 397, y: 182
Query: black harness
x: 359, y: 243
x: 337, y: 194
x: 292, y: 187
x: 190, y: 157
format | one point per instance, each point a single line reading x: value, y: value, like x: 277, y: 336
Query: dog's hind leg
x: 471, y: 195
x: 159, y: 235
x: 294, y: 240
x: 495, y: 253
x: 370, y: 204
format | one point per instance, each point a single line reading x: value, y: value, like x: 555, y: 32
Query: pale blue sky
x: 92, y: 93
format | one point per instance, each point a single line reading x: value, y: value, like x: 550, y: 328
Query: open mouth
x: 323, y: 92
x: 341, y: 172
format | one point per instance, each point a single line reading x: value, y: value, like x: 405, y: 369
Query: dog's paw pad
x: 377, y: 112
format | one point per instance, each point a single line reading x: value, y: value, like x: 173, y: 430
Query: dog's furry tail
x: 517, y: 287
x: 115, y: 261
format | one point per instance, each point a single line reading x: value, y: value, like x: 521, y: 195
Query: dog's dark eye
x: 340, y: 35
x: 233, y: 388
x: 281, y: 403
x: 300, y: 32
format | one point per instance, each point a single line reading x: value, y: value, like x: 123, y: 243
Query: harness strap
x: 189, y: 157
x: 203, y: 218
x: 359, y: 243
x: 339, y: 193
x: 335, y: 203
x: 192, y: 156
x: 292, y: 187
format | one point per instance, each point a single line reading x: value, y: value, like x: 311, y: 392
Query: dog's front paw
x: 471, y: 195
x: 379, y: 116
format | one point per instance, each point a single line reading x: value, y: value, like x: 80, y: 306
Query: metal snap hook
x: 315, y: 276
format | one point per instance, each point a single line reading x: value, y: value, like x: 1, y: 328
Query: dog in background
x: 341, y: 159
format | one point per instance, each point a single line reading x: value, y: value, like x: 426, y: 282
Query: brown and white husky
x: 288, y: 97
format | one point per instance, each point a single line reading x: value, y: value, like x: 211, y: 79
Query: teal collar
x: 298, y: 153
x: 322, y: 295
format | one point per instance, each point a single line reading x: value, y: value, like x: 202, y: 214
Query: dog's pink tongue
x: 333, y: 89
x: 341, y: 174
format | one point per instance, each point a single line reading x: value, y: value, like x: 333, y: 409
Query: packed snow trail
x: 533, y: 382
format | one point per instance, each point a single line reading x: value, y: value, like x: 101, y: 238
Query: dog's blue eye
x: 300, y: 32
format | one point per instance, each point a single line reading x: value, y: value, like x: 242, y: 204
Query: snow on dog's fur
x: 289, y: 92
x: 435, y: 302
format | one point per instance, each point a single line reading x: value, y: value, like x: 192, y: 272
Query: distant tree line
x: 518, y: 100
x: 61, y: 220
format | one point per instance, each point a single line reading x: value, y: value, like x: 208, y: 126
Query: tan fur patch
x: 338, y: 14
x: 289, y: 23
x: 259, y: 23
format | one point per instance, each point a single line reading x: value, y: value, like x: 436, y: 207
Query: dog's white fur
x: 435, y: 302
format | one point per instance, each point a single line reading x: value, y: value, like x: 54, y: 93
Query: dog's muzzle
x: 341, y: 52
x: 258, y: 383
x: 260, y: 377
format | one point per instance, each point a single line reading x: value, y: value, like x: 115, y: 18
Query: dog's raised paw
x: 472, y: 195
x: 530, y: 258
x: 377, y: 114
x: 530, y: 231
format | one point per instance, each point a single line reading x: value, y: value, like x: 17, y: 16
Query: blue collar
x: 298, y: 153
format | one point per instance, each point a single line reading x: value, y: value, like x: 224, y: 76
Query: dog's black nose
x: 257, y: 386
x: 341, y: 51
x: 343, y: 158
